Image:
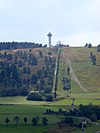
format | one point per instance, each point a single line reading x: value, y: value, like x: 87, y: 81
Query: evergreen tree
x: 25, y: 120
x: 7, y: 120
x: 16, y: 119
x: 44, y: 121
x: 34, y: 121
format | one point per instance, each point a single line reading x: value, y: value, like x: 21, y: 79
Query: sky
x: 73, y: 22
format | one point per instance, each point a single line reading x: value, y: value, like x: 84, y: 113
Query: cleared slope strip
x: 83, y: 72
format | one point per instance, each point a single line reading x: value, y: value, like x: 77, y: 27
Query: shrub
x: 49, y: 98
x: 34, y: 96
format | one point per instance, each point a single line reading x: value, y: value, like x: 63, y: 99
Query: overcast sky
x: 72, y: 22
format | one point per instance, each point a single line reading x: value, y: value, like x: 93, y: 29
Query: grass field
x: 22, y: 111
x: 29, y: 111
x: 80, y: 98
x: 42, y: 129
x: 23, y: 129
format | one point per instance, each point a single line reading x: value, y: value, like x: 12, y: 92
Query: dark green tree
x: 90, y: 45
x: 16, y: 119
x: 5, y: 55
x: 68, y: 70
x: 8, y: 71
x: 47, y: 89
x: 34, y: 79
x: 55, y: 94
x: 23, y: 91
x: 44, y: 121
x: 25, y: 120
x: 49, y: 53
x: 67, y: 87
x: 69, y: 120
x: 7, y: 120
x: 86, y: 45
x: 34, y: 121
x: 94, y: 59
x: 91, y: 55
x: 9, y: 56
x: 94, y: 118
x: 98, y: 48
x: 49, y: 98
x: 41, y: 54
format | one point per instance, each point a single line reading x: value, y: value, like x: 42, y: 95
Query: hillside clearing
x: 87, y: 73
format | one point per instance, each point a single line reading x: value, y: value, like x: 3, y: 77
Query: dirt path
x: 68, y: 62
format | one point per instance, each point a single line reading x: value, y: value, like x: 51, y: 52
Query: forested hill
x: 24, y: 70
x: 19, y: 45
x: 33, y: 69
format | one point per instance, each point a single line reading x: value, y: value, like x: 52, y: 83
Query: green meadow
x: 30, y: 111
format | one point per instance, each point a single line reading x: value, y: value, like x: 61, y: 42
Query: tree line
x: 19, y: 45
x: 35, y: 120
x: 88, y: 111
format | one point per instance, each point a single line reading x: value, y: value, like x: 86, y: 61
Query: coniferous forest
x: 24, y: 72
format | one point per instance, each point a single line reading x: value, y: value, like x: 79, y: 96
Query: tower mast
x: 49, y: 39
